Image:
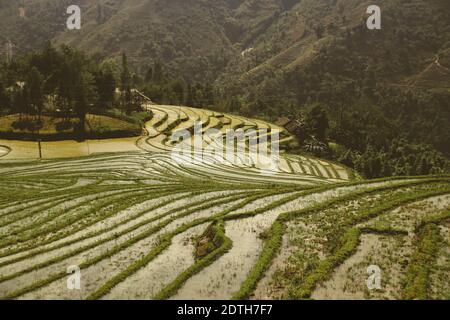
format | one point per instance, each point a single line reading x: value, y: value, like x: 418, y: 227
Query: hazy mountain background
x: 207, y: 38
x: 271, y: 58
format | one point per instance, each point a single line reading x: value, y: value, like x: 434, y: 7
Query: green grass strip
x: 417, y: 279
x: 58, y: 214
x: 270, y: 249
x: 165, y: 243
x: 350, y: 241
x: 166, y: 240
x: 199, y: 265
x: 93, y: 245
x: 273, y: 243
x: 92, y: 234
x: 349, y: 244
x: 34, y: 230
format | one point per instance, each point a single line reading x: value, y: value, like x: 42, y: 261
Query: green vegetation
x: 271, y: 246
x: 220, y: 245
x: 210, y: 240
x: 429, y: 239
x: 347, y: 243
x: 63, y: 94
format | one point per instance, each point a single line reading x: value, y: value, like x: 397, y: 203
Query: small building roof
x: 283, y: 121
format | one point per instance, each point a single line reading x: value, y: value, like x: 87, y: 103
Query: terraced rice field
x: 141, y: 225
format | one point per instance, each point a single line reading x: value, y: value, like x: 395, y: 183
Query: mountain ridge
x: 205, y: 39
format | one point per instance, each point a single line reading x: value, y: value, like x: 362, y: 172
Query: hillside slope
x: 195, y: 37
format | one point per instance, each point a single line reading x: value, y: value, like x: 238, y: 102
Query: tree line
x: 65, y: 83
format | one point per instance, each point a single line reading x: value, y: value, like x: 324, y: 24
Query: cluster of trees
x: 399, y: 158
x: 165, y: 88
x: 68, y: 82
x: 64, y: 82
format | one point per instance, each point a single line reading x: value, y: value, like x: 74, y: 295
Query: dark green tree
x: 149, y: 74
x: 20, y: 102
x: 105, y: 85
x: 84, y: 95
x: 125, y: 85
x: 4, y: 101
x: 34, y: 87
x: 178, y: 92
x: 317, y: 121
x: 189, y: 96
x: 158, y: 73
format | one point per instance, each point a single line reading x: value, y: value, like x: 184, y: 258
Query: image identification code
x: 226, y: 309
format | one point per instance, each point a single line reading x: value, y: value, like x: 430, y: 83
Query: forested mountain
x: 272, y: 58
x: 203, y: 37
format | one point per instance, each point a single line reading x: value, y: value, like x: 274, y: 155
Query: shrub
x: 27, y: 125
x: 64, y: 126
